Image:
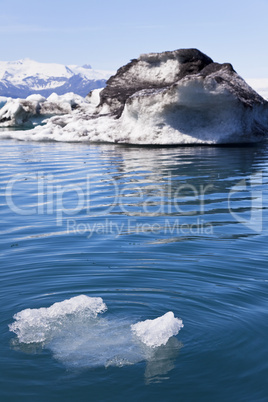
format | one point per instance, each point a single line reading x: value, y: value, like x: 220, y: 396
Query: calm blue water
x: 149, y: 230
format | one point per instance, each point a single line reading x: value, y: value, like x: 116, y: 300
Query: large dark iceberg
x: 176, y: 97
x: 151, y: 71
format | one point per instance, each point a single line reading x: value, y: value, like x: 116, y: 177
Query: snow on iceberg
x: 177, y: 97
x: 80, y: 337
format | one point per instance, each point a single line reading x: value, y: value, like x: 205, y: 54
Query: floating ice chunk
x: 79, y: 338
x: 12, y: 113
x: 35, y: 108
x: 39, y: 325
x: 157, y: 332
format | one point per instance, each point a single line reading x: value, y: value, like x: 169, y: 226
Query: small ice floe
x: 40, y: 325
x: 79, y: 336
x: 157, y: 332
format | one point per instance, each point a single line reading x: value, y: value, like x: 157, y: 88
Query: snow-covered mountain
x: 21, y: 78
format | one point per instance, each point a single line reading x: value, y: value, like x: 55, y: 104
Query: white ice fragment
x: 37, y: 325
x: 157, y: 332
x: 79, y: 338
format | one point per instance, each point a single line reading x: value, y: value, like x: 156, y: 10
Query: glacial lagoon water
x: 149, y: 230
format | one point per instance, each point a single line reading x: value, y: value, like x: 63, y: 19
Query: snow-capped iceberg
x: 177, y: 97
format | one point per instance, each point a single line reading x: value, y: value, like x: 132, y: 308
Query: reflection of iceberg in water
x: 79, y: 338
x: 173, y: 159
x: 220, y: 166
x: 162, y: 361
x: 187, y: 186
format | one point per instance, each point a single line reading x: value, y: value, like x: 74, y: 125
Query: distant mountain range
x: 21, y: 78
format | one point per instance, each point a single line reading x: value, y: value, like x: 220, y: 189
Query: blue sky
x: 107, y: 34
